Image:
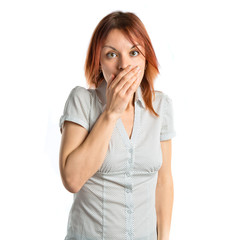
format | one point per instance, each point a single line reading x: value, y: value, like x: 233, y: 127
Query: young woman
x: 115, y: 153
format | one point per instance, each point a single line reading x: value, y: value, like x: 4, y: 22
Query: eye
x: 135, y: 51
x: 110, y: 54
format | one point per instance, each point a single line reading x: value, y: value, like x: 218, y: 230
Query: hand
x: 120, y: 90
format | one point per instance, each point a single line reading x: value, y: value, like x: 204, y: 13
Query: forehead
x: 116, y: 36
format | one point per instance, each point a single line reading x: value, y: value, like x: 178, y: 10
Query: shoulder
x: 79, y: 97
x: 81, y: 93
x: 162, y: 97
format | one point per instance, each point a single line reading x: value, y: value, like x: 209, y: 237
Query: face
x: 117, y: 53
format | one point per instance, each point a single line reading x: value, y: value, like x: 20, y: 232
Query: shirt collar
x: 101, y: 94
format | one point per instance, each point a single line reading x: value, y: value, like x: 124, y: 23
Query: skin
x: 114, y: 61
x: 164, y: 192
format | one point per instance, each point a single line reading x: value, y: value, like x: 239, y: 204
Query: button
x: 128, y: 174
x: 129, y: 206
x: 129, y: 211
x: 128, y: 190
x: 130, y: 150
x: 130, y: 160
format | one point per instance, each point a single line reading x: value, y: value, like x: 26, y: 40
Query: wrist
x: 163, y: 237
x: 109, y: 116
x: 159, y: 238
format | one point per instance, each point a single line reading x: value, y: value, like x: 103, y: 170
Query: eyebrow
x: 117, y: 50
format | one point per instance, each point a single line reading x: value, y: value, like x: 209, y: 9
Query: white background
x: 43, y: 47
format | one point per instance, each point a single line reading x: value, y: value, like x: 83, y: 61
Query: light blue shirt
x: 118, y: 201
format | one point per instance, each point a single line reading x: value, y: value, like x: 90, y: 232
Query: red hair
x: 130, y: 25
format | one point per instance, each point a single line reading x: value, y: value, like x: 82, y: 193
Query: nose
x: 123, y: 62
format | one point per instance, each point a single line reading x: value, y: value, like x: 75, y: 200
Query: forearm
x: 164, y: 204
x: 85, y: 160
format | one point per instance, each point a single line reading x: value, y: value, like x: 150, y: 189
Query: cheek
x: 141, y: 75
x: 104, y: 63
x: 108, y: 66
x: 107, y: 71
x: 141, y: 63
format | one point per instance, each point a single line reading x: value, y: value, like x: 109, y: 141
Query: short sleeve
x: 77, y: 107
x: 168, y: 129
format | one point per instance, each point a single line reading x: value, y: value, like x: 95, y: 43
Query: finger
x: 121, y: 74
x: 128, y: 82
x: 131, y: 76
x: 133, y: 86
x: 110, y: 80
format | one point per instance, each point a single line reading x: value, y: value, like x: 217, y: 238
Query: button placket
x: 129, y: 191
x: 129, y: 211
x: 130, y: 159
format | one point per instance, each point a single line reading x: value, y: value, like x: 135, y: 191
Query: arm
x: 81, y: 155
x: 164, y: 193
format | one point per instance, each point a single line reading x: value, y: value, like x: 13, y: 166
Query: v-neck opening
x: 129, y: 141
x: 129, y: 138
